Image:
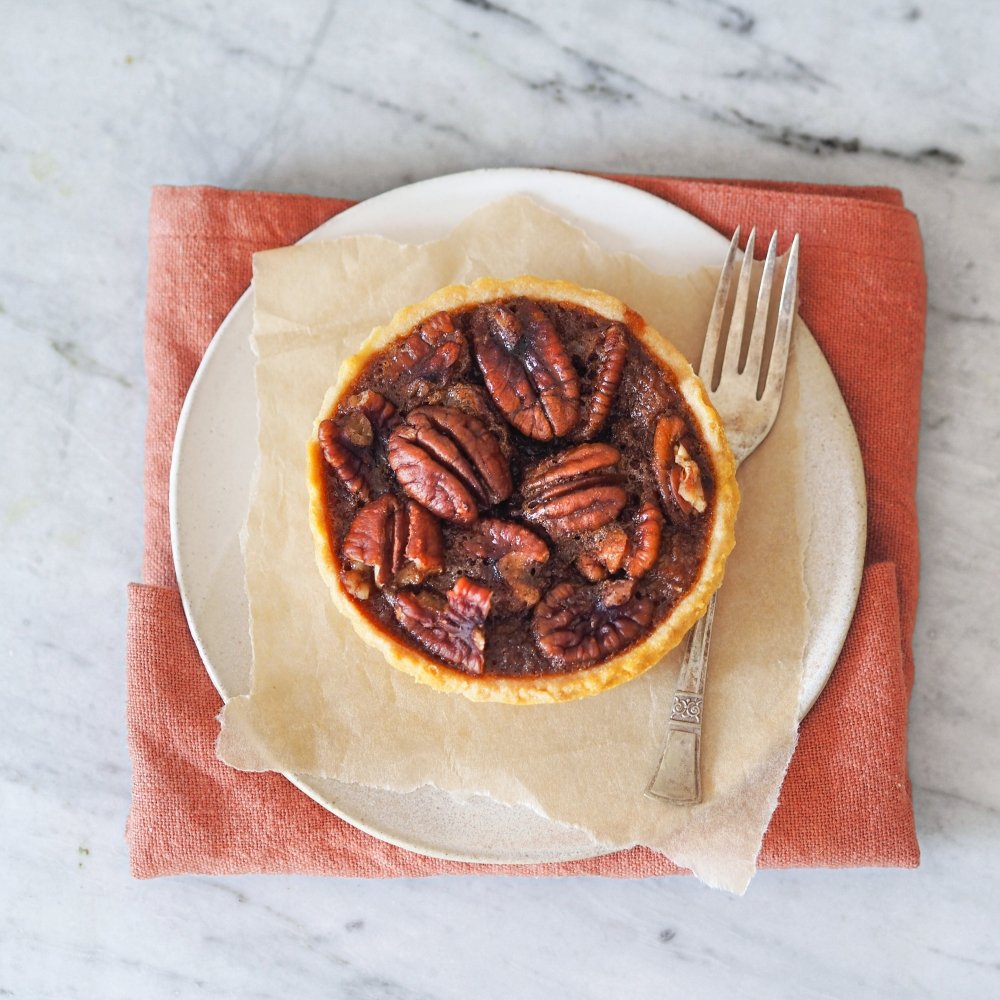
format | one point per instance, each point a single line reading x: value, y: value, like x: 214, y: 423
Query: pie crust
x: 553, y: 686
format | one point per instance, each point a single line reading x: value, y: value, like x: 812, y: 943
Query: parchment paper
x: 324, y: 703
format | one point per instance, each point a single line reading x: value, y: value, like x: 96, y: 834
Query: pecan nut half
x: 451, y: 628
x: 447, y: 460
x: 612, y: 549
x: 429, y: 357
x: 399, y: 541
x: 604, y: 553
x: 576, y: 626
x: 685, y: 481
x: 677, y: 473
x: 611, y: 363
x: 644, y: 545
x: 527, y: 370
x: 345, y: 460
x: 469, y: 601
x: 515, y: 550
x: 367, y: 414
x: 575, y: 490
x: 345, y: 439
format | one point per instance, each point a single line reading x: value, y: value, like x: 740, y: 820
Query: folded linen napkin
x: 846, y: 798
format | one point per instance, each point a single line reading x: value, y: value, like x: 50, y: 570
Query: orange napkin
x: 846, y: 798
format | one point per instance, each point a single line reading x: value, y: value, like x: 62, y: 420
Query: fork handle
x: 678, y: 778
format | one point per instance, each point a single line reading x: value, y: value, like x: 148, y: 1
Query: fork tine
x: 734, y: 342
x: 706, y: 367
x: 783, y: 332
x: 757, y: 337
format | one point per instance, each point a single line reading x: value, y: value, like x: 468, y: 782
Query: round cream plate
x: 215, y: 453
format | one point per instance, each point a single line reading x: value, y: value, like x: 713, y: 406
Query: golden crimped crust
x: 549, y: 687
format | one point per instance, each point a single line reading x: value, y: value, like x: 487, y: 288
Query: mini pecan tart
x: 520, y: 492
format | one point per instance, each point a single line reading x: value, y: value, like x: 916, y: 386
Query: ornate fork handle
x: 678, y: 777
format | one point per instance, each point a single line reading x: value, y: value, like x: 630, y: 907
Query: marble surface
x: 100, y: 101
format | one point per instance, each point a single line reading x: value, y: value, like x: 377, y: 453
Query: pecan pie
x: 520, y: 492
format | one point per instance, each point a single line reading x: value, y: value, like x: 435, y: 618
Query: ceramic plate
x: 215, y: 453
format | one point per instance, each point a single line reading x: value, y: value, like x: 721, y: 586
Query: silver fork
x: 747, y: 415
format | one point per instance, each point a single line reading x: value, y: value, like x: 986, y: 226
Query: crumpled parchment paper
x: 324, y: 703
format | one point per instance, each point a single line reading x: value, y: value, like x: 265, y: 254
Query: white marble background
x: 100, y: 100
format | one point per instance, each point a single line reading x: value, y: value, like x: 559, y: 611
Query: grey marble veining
x: 100, y: 101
